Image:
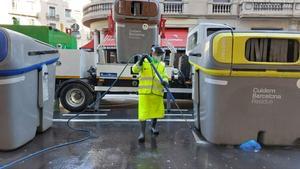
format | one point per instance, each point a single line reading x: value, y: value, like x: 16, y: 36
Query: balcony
x: 221, y: 8
x: 96, y: 11
x: 172, y: 8
x: 26, y: 13
x: 52, y: 17
x: 70, y: 20
x: 265, y: 8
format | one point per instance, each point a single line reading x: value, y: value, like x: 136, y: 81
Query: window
x: 192, y: 41
x: 16, y: 21
x: 14, y: 4
x: 52, y: 11
x: 272, y: 50
x: 53, y: 25
x: 68, y: 13
x: 31, y: 21
x: 29, y: 5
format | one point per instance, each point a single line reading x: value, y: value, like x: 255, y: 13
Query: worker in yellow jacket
x: 151, y: 90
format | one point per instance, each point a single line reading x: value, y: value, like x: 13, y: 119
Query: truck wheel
x: 185, y: 67
x: 75, y: 97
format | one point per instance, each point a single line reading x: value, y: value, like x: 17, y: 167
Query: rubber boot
x: 141, y: 137
x: 153, y: 127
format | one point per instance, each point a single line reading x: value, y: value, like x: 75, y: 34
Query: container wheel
x: 75, y: 97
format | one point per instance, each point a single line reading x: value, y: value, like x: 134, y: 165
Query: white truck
x: 81, y: 77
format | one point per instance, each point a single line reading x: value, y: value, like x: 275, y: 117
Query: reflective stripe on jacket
x: 148, y: 81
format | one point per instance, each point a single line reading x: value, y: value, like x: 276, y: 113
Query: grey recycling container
x: 135, y: 24
x: 248, y: 85
x: 27, y: 82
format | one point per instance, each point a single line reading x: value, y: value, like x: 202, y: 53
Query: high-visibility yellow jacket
x: 148, y: 81
x: 151, y: 91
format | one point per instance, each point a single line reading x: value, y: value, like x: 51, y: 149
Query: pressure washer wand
x: 160, y: 78
x: 170, y: 95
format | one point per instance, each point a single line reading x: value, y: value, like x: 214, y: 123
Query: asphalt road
x: 114, y: 144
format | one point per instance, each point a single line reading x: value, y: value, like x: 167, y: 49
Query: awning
x: 109, y: 42
x: 89, y: 45
x: 177, y: 37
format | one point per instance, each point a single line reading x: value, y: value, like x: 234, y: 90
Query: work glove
x: 149, y: 58
x: 164, y: 83
x: 142, y: 60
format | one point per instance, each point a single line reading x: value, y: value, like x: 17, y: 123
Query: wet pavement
x: 115, y: 146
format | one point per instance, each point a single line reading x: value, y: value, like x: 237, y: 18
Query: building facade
x: 60, y: 14
x: 56, y: 13
x: 185, y: 14
x: 24, y: 12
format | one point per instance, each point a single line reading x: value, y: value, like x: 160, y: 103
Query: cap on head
x: 158, y: 50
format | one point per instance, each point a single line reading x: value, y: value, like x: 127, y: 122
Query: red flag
x: 111, y: 24
x: 162, y: 28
